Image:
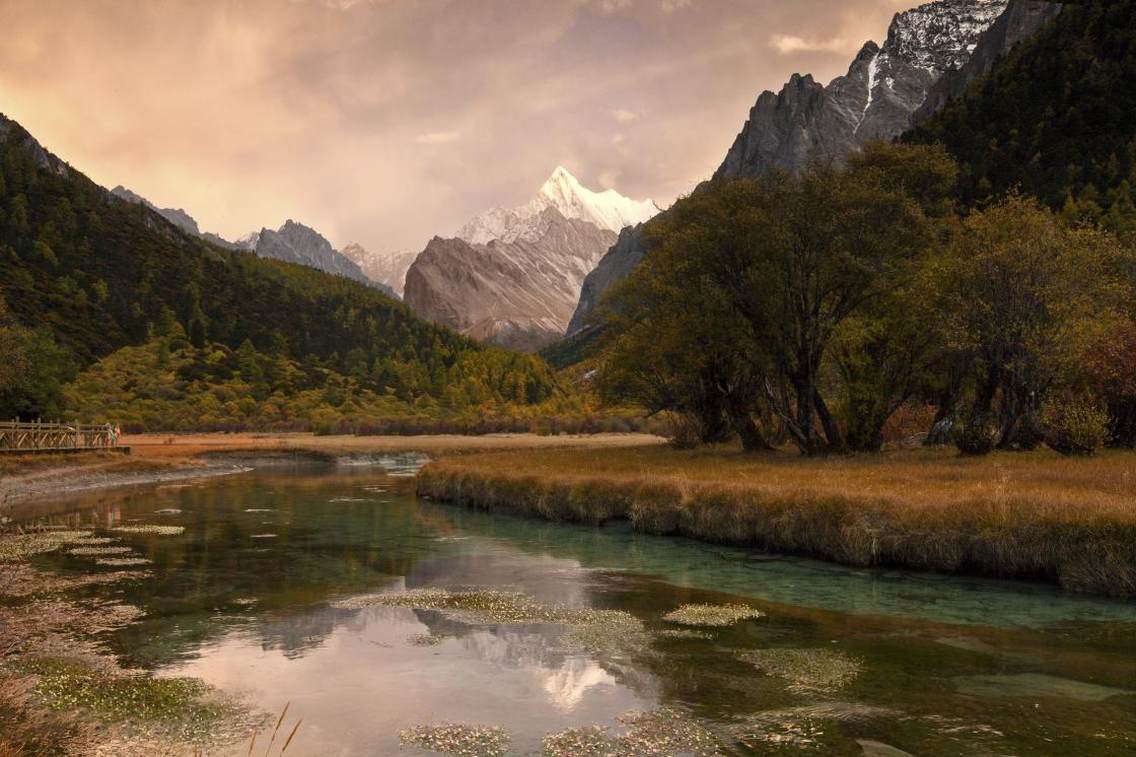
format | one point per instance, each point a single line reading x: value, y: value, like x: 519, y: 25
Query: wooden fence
x: 39, y: 436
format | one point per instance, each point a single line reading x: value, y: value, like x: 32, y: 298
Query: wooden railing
x: 35, y: 436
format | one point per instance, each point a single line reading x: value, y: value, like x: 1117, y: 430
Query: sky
x: 387, y: 122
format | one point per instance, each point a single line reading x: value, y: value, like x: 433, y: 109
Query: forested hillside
x: 84, y: 274
x: 1055, y: 119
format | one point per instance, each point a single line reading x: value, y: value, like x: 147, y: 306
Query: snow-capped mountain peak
x: 608, y: 210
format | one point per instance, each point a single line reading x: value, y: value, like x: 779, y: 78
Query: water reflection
x: 254, y: 615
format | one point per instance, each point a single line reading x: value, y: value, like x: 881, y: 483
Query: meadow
x: 1031, y: 516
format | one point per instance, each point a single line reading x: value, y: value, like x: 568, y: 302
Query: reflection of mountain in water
x: 296, y: 635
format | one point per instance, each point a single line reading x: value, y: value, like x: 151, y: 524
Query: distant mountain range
x: 387, y: 268
x: 293, y: 243
x: 925, y: 62
x: 513, y: 276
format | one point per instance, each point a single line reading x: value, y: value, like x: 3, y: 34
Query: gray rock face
x: 931, y: 55
x: 176, y: 216
x: 519, y: 294
x: 39, y: 153
x: 1022, y: 20
x: 615, y: 266
x: 295, y: 243
x: 875, y: 100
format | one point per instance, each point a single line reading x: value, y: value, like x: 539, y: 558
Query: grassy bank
x: 1031, y: 516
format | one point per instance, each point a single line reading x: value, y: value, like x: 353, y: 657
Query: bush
x: 1075, y: 426
x: 977, y: 437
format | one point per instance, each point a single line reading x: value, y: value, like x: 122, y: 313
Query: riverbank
x: 1029, y: 516
x: 168, y: 458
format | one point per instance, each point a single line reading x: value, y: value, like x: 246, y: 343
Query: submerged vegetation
x: 1035, y: 516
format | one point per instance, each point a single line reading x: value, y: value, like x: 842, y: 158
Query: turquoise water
x: 245, y: 599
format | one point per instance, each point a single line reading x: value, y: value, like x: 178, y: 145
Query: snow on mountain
x: 388, y: 268
x: 608, y: 210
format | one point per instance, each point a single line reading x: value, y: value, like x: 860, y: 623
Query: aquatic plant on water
x: 151, y: 530
x: 711, y: 616
x: 813, y: 671
x: 456, y: 739
x: 93, y: 551
x: 664, y: 731
x: 19, y: 547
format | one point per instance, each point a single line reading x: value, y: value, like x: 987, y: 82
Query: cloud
x: 787, y: 44
x: 438, y: 138
x: 467, y: 102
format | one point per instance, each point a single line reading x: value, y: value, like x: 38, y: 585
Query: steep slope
x: 927, y: 54
x: 387, y: 268
x: 176, y: 216
x: 1055, y: 118
x: 518, y: 293
x: 96, y: 273
x: 1022, y: 20
x: 875, y: 100
x: 606, y: 210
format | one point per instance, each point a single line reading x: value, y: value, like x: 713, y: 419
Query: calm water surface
x: 244, y: 600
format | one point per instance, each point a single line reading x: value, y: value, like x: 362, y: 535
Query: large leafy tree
x: 761, y: 275
x: 1020, y: 294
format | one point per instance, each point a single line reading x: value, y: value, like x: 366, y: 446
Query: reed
x: 1031, y: 516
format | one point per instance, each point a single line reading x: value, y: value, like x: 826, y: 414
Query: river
x: 250, y: 598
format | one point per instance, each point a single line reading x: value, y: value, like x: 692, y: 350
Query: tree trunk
x: 752, y: 438
x: 828, y: 423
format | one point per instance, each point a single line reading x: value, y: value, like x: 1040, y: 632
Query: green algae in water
x: 711, y: 616
x: 456, y: 739
x: 814, y: 671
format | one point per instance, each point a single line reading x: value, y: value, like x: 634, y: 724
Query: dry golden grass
x: 1031, y: 515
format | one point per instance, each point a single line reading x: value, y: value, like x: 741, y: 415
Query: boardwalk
x: 41, y: 436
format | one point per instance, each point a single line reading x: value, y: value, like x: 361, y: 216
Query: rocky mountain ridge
x: 518, y: 293
x: 513, y: 276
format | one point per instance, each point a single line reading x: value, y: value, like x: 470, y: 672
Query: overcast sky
x: 386, y: 122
